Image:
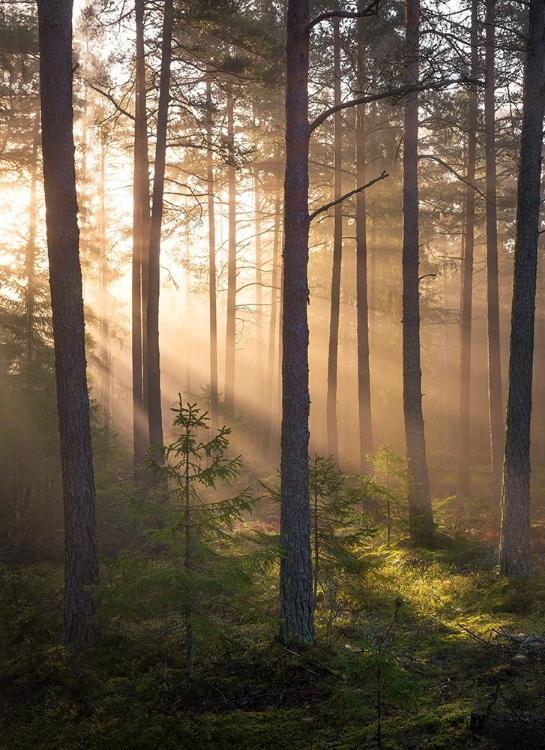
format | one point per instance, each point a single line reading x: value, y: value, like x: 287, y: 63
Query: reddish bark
x: 81, y: 549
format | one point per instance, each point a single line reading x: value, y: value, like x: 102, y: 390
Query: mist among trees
x: 272, y: 374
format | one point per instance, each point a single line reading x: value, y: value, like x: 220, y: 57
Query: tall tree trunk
x: 333, y: 354
x: 213, y: 312
x: 105, y: 360
x: 154, y: 373
x: 296, y: 597
x: 464, y: 432
x: 538, y: 423
x: 141, y: 219
x: 30, y: 253
x: 362, y: 300
x: 188, y: 322
x: 270, y: 399
x: 81, y: 549
x: 515, y: 554
x: 259, y: 380
x: 493, y: 306
x: 230, y: 342
x: 420, y: 513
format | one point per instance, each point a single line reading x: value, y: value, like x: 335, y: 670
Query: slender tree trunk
x: 81, y: 549
x: 493, y: 305
x: 188, y: 323
x: 515, y: 553
x: 420, y: 513
x: 213, y: 311
x: 296, y: 591
x: 464, y: 433
x: 333, y: 355
x: 259, y: 377
x: 141, y: 219
x: 30, y: 254
x: 270, y: 396
x: 538, y: 424
x: 154, y: 374
x: 362, y: 300
x: 230, y: 342
x: 105, y: 360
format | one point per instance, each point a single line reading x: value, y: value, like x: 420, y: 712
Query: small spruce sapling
x: 190, y: 465
x: 192, y: 563
x: 337, y: 533
x: 382, y: 495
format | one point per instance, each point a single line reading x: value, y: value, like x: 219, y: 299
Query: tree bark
x: 515, y: 553
x: 420, y: 513
x: 296, y: 596
x: 495, y: 400
x: 230, y: 339
x: 30, y: 254
x: 154, y: 372
x: 105, y: 358
x: 271, y: 401
x: 464, y: 432
x: 141, y: 219
x: 334, y: 321
x: 213, y: 312
x: 259, y: 379
x: 362, y: 301
x: 81, y: 549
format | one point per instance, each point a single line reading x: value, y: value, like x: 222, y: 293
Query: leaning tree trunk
x: 81, y: 549
x: 154, y: 373
x: 296, y: 596
x: 463, y: 489
x: 493, y: 305
x: 333, y: 354
x: 515, y: 554
x: 420, y: 513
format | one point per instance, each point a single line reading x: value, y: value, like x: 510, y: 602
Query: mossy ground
x: 447, y: 653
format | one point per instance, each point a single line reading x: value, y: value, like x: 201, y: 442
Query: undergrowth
x: 429, y: 649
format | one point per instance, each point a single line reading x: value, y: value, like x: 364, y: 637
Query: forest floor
x: 432, y: 651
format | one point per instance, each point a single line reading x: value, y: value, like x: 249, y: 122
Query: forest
x: 272, y: 374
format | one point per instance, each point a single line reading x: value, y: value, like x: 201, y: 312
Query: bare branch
x: 110, y: 98
x: 399, y: 91
x: 444, y: 164
x: 371, y: 10
x: 327, y: 206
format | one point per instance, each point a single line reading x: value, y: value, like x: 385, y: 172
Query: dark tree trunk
x: 463, y: 490
x: 154, y: 373
x: 333, y: 354
x: 495, y: 399
x: 420, y: 513
x: 515, y: 554
x: 213, y: 312
x: 230, y: 341
x: 296, y: 596
x: 141, y: 219
x: 362, y: 300
x: 81, y: 551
